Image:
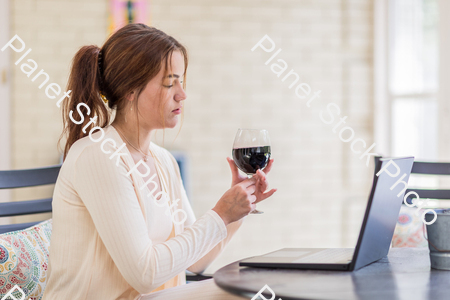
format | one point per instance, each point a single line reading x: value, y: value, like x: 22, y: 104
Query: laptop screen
x: 382, y: 210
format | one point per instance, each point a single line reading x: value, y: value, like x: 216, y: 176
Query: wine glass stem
x: 255, y: 211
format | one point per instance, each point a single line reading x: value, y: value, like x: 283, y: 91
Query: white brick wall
x: 322, y: 185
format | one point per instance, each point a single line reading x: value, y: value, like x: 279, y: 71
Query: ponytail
x: 84, y: 84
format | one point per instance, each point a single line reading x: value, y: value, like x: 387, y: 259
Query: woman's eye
x: 171, y: 85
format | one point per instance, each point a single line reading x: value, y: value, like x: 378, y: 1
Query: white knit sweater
x: 109, y: 237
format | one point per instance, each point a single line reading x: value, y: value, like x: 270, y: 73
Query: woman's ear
x: 131, y: 96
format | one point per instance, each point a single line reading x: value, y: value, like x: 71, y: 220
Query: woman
x: 113, y: 237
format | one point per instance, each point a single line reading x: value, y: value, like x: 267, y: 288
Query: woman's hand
x: 261, y: 185
x: 244, y: 193
x: 238, y: 201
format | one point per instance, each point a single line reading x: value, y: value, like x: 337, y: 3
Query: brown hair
x: 129, y: 59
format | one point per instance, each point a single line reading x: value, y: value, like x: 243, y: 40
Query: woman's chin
x: 172, y: 123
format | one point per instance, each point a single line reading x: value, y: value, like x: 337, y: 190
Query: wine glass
x: 251, y: 151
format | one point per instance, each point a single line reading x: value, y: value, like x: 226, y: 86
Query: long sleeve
x: 109, y: 196
x: 206, y: 260
x: 200, y: 265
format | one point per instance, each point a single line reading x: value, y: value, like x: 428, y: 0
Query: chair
x: 26, y: 178
x: 409, y: 230
x: 430, y: 168
x: 427, y: 168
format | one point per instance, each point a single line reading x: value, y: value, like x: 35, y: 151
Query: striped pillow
x: 24, y: 260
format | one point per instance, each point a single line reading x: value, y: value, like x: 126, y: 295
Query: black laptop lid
x: 382, y: 210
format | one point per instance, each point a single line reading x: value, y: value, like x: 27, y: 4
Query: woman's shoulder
x: 101, y: 142
x: 89, y: 151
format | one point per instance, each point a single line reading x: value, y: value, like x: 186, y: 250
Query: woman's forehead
x: 176, y: 63
x: 174, y: 69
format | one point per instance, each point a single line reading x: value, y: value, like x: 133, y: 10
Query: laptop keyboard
x: 342, y: 255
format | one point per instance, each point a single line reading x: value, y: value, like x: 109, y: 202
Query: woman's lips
x: 177, y: 111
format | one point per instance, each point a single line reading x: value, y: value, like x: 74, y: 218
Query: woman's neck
x: 129, y: 133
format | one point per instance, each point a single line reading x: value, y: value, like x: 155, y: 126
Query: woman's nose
x: 181, y: 94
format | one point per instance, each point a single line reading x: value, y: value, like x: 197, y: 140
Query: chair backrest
x: 182, y: 162
x: 428, y: 168
x: 26, y: 178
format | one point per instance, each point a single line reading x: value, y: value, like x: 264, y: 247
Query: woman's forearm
x: 205, y: 261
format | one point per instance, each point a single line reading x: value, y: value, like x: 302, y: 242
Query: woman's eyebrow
x: 173, y: 75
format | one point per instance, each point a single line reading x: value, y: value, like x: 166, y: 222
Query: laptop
x: 376, y: 232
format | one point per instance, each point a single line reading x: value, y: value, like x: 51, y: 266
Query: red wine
x: 249, y: 160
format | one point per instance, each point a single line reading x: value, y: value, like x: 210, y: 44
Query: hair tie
x: 100, y: 64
